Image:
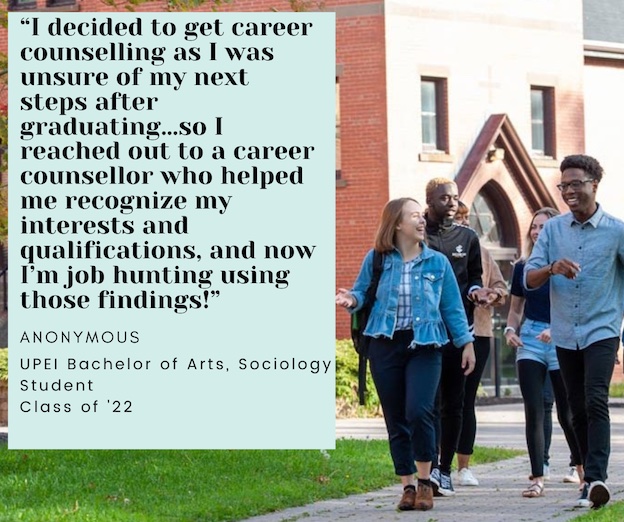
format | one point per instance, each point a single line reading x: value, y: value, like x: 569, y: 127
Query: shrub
x: 4, y: 364
x: 347, y: 404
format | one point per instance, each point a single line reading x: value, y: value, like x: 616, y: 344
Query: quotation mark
x: 25, y: 21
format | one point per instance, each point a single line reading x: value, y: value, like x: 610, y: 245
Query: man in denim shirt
x: 582, y: 254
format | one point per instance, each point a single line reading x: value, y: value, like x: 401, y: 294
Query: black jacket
x: 460, y: 244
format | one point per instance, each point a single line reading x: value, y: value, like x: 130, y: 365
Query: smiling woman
x: 416, y: 306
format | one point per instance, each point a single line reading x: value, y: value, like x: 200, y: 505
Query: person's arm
x: 345, y: 298
x: 452, y: 309
x: 353, y: 299
x: 536, y: 277
x: 493, y: 280
x: 514, y: 318
x: 454, y: 316
x: 468, y: 358
x: 540, y: 267
x: 516, y: 307
x: 476, y: 293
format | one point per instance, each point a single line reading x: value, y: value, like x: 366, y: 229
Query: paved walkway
x: 499, y: 495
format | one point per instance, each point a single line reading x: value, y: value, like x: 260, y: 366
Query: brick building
x: 492, y: 94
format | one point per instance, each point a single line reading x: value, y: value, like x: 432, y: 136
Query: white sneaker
x: 572, y: 477
x: 599, y: 494
x: 546, y: 472
x: 466, y: 478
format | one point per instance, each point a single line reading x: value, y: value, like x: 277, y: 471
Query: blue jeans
x: 587, y: 374
x: 535, y: 350
x: 406, y: 381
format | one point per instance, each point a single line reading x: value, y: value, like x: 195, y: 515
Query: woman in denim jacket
x: 416, y: 304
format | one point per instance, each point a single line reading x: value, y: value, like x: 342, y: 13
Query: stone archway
x: 499, y: 169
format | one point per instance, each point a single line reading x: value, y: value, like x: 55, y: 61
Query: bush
x: 347, y: 404
x: 4, y: 364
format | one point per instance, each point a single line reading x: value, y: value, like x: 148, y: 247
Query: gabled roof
x: 499, y: 133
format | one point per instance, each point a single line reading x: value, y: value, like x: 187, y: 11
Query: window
x: 17, y: 5
x: 338, y: 148
x: 487, y: 220
x: 483, y: 221
x: 434, y: 114
x: 543, y: 121
x: 57, y: 3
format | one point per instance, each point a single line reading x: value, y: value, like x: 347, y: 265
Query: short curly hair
x: 580, y: 161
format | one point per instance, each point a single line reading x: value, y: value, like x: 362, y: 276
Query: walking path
x: 499, y: 495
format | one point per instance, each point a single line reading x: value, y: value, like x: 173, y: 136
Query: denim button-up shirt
x: 589, y: 308
x: 435, y: 300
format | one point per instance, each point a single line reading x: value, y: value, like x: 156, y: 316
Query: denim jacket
x: 436, y: 302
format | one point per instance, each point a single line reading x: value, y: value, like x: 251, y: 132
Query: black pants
x: 450, y: 405
x: 587, y: 374
x: 406, y: 381
x: 549, y: 402
x: 465, y: 446
x: 531, y: 376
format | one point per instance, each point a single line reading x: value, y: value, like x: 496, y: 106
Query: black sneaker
x: 434, y: 477
x: 599, y: 494
x: 441, y: 483
x: 446, y: 485
x: 583, y: 500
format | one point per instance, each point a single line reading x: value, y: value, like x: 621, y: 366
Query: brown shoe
x: 407, y: 500
x: 424, y: 497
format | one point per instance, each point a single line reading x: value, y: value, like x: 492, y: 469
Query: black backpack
x: 358, y: 324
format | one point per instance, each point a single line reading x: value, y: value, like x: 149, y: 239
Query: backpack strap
x: 371, y: 292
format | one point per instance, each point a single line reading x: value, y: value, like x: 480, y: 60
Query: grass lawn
x: 610, y: 513
x: 188, y: 486
x: 616, y: 389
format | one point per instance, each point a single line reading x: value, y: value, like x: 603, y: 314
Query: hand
x: 566, y: 268
x: 345, y: 299
x: 544, y: 336
x: 480, y: 296
x: 513, y: 340
x: 491, y: 297
x: 468, y: 358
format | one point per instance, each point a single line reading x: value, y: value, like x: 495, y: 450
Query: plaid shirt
x: 404, y: 310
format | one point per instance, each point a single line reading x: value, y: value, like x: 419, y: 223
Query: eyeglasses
x: 574, y: 185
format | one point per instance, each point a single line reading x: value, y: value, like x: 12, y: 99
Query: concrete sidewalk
x: 499, y: 495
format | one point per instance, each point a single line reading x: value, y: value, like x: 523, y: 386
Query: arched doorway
x: 495, y: 232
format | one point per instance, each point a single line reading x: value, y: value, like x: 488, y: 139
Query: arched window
x: 483, y: 220
x: 494, y: 233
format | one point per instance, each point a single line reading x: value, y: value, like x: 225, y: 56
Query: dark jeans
x: 406, y: 382
x: 531, y: 376
x: 465, y: 446
x: 450, y: 405
x: 587, y: 374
